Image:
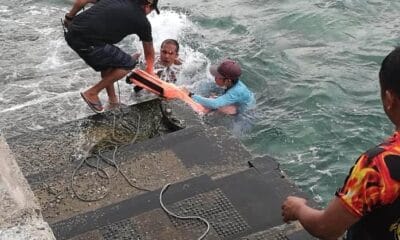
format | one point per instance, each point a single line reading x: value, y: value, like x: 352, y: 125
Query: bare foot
x: 114, y: 105
x: 95, y: 105
x: 92, y: 97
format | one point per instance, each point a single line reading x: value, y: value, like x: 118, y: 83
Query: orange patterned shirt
x: 374, y: 183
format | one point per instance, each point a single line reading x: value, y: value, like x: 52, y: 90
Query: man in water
x: 168, y: 65
x: 237, y: 96
x: 93, y: 33
x: 368, y: 204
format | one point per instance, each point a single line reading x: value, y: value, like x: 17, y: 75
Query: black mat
x: 258, y: 199
x: 130, y: 207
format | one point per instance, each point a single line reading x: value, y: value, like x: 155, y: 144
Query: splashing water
x: 312, y: 64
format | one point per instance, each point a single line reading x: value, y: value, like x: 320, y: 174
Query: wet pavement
x: 101, y: 178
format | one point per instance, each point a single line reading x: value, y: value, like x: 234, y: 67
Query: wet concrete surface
x: 20, y: 213
x: 101, y: 177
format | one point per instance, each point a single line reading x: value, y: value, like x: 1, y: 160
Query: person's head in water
x: 389, y: 79
x: 227, y: 73
x: 169, y: 52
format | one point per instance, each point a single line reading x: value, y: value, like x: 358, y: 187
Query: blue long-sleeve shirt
x: 238, y: 95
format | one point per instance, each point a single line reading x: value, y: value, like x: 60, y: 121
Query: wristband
x: 191, y: 94
x: 68, y: 17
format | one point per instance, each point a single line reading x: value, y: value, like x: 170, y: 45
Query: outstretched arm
x: 329, y: 223
x: 78, y: 5
x: 148, y: 49
x: 215, y: 103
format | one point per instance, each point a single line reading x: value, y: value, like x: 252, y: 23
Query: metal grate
x: 268, y: 235
x: 122, y: 230
x: 213, y: 206
x: 275, y: 233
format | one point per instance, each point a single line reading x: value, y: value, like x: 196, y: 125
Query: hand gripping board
x: 164, y: 89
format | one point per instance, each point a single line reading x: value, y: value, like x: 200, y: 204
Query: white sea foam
x: 325, y: 172
x: 53, y: 59
x: 35, y: 10
x: 4, y: 9
x: 171, y: 24
x: 36, y: 101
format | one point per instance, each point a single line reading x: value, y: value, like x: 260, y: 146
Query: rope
x: 112, y: 162
x: 106, y: 176
x: 118, y: 170
x: 183, y: 217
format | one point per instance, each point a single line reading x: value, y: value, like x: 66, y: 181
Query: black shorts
x: 102, y: 57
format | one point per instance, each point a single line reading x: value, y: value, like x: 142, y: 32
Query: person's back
x: 244, y: 98
x: 371, y: 191
x: 93, y: 33
x: 109, y: 21
x: 368, y: 203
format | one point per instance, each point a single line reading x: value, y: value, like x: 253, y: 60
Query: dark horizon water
x: 312, y: 64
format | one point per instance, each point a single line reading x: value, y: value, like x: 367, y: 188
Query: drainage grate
x: 213, y: 206
x: 275, y: 233
x: 268, y: 235
x: 122, y: 230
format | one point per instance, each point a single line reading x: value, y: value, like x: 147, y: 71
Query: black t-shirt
x: 109, y: 21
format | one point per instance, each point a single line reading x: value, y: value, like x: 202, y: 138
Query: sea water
x: 313, y: 66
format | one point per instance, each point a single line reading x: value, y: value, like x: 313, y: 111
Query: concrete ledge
x: 212, y: 175
x: 20, y: 215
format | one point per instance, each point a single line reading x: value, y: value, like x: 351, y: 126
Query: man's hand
x: 136, y: 56
x: 185, y: 90
x: 67, y: 20
x: 76, y: 7
x: 151, y: 71
x: 290, y: 208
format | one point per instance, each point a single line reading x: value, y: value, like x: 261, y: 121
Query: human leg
x: 112, y: 98
x: 109, y: 76
x: 113, y: 64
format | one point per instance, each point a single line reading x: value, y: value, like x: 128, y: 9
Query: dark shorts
x: 101, y: 57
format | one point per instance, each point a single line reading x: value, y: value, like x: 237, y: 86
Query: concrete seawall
x: 20, y: 214
x: 101, y: 178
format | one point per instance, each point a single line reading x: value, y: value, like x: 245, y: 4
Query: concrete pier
x: 20, y: 214
x: 101, y: 178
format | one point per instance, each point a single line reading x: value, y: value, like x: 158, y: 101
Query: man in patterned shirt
x: 167, y: 66
x: 368, y: 204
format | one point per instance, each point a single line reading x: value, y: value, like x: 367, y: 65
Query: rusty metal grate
x: 122, y: 230
x: 268, y: 235
x: 213, y: 206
